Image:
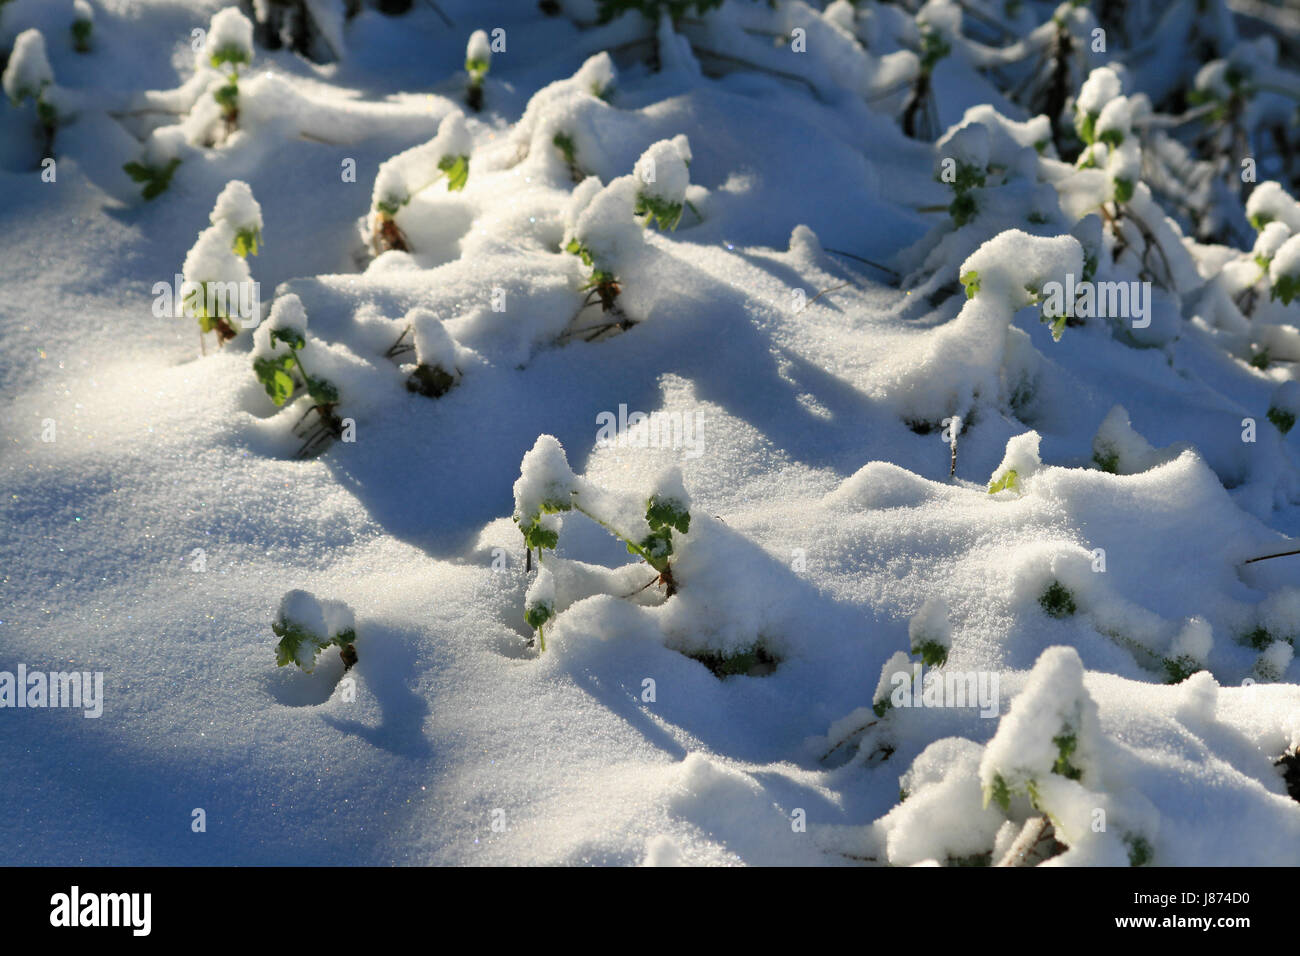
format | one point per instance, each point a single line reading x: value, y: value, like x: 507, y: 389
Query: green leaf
x: 1057, y: 601
x: 667, y: 214
x: 1139, y: 850
x: 457, y: 170
x: 292, y: 638
x: 1123, y: 190
x: 1284, y: 420
x: 1058, y: 327
x: 999, y: 793
x: 1087, y: 127
x: 1108, y: 462
x: 1285, y: 288
x: 537, y: 615
x: 229, y: 54
x: 932, y: 653
x: 1066, y: 744
x: 321, y: 391
x: 1007, y: 481
x: 1178, y: 669
x: 657, y: 545
x: 81, y: 31
x: 564, y: 143
x: 247, y: 242
x: 662, y: 512
x: 1259, y: 638
x: 290, y: 337
x: 139, y: 172
x: 971, y: 280
x: 274, y: 375
x: 228, y: 97
x: 962, y: 209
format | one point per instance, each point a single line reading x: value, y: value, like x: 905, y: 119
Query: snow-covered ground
x: 826, y: 649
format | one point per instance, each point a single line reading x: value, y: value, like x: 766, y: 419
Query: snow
x: 237, y: 208
x: 28, y: 72
x: 230, y: 35
x: 1286, y: 261
x: 759, y: 374
x: 478, y: 50
x: 1102, y: 86
x: 1271, y: 202
x: 662, y: 172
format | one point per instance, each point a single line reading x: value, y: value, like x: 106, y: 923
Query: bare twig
x: 1035, y: 829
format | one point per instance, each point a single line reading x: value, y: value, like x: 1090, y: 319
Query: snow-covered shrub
x: 283, y: 358
x: 664, y: 176
x: 307, y: 625
x: 237, y: 208
x: 547, y: 488
x: 220, y: 292
x: 229, y: 46
x: 438, y: 357
x: 408, y: 173
x: 28, y: 76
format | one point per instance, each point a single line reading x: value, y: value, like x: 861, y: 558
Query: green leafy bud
x: 247, y: 242
x: 668, y: 214
x: 81, y: 31
x: 1057, y: 601
x: 229, y: 54
x: 971, y: 280
x: 1285, y: 288
x: 274, y: 375
x: 664, y: 512
x: 1066, y: 745
x: 999, y: 793
x: 1284, y: 420
x: 564, y: 143
x: 457, y: 170
x: 290, y: 337
x: 932, y: 653
x: 1007, y: 481
x: 321, y: 391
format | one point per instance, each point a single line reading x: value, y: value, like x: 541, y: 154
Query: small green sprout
x: 1108, y: 462
x: 1178, y: 669
x: 971, y: 282
x: 1005, y: 483
x: 1057, y: 601
x: 1281, y: 418
x: 307, y: 626
x: 569, y: 150
x: 457, y: 170
x: 155, y: 178
x: 668, y: 214
x: 1286, y: 288
x: 1139, y: 849
x: 81, y: 33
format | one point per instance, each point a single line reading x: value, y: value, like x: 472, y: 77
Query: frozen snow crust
x: 612, y: 289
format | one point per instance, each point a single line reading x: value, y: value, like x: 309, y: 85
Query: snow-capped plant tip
x: 307, y: 625
x: 478, y: 58
x: 83, y: 25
